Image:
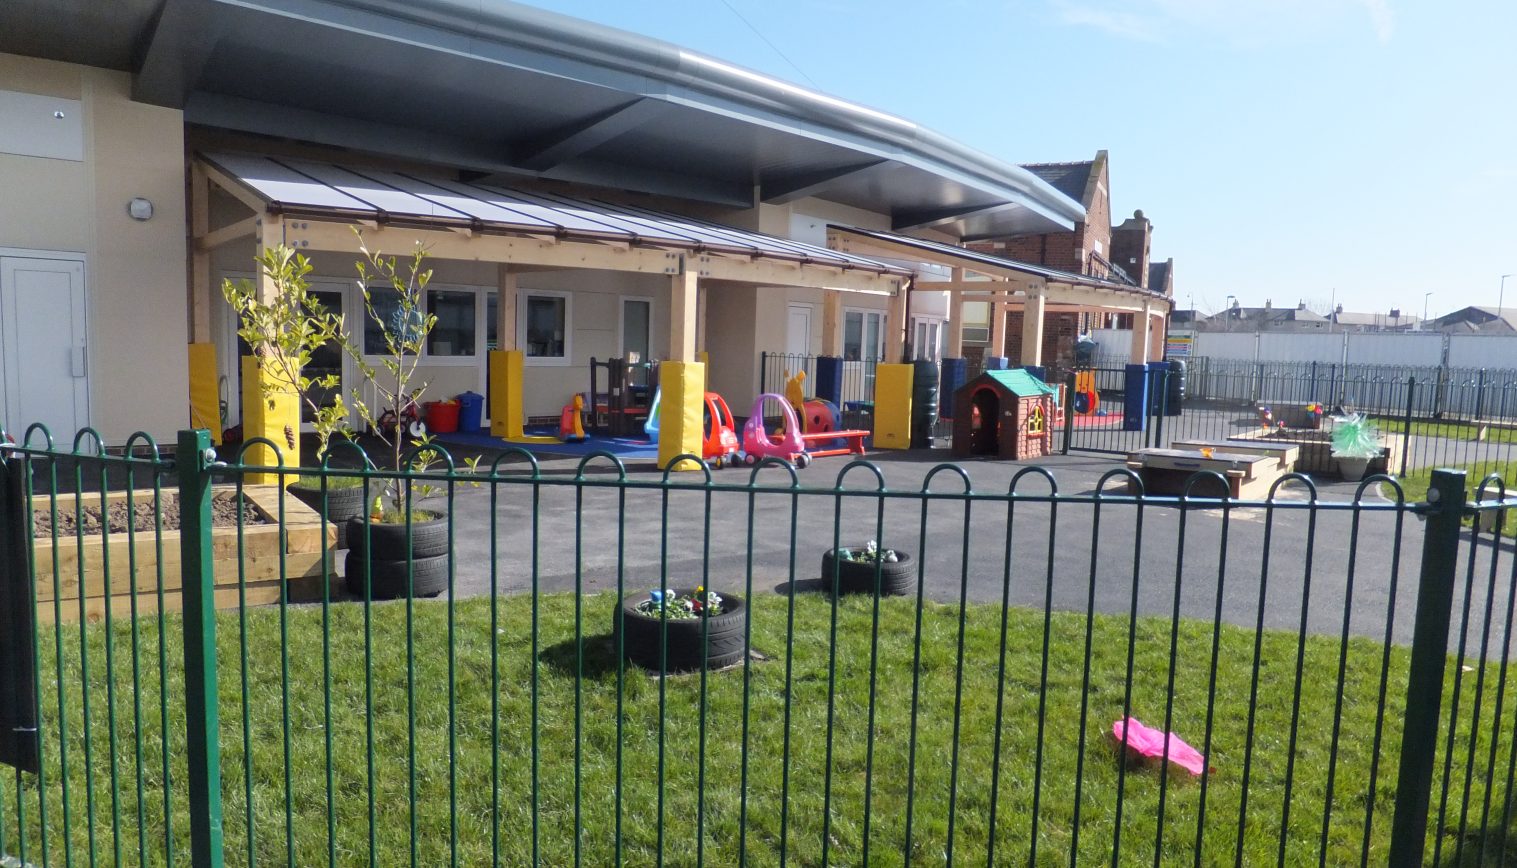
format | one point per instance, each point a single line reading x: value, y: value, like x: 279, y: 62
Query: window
x: 637, y: 313
x: 454, y: 332
x: 386, y: 303
x: 863, y: 335
x: 544, y: 327
x: 976, y: 321
x: 925, y: 343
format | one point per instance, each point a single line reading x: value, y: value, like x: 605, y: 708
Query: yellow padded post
x: 680, y: 423
x: 892, y: 406
x: 205, y: 397
x: 506, y: 415
x: 272, y: 414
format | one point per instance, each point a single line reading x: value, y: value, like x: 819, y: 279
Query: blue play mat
x: 621, y: 447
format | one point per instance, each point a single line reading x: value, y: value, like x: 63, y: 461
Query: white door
x: 798, y: 345
x: 42, y: 345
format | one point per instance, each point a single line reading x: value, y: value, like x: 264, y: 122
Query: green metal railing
x: 278, y: 711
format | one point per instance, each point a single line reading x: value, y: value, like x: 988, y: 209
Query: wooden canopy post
x: 832, y: 323
x: 997, y: 324
x: 895, y: 327
x: 1142, y: 335
x: 1032, y: 328
x: 955, y: 347
x: 681, y: 377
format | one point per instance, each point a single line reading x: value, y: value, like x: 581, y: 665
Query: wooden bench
x: 854, y: 442
x: 1166, y: 471
x: 1286, y: 453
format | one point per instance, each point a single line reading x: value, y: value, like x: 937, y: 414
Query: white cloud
x: 1153, y: 20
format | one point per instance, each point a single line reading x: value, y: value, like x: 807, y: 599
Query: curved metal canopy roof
x: 505, y: 89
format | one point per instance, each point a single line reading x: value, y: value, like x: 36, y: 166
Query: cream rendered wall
x: 134, y: 271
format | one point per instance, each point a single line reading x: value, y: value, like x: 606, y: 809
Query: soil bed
x: 224, y: 513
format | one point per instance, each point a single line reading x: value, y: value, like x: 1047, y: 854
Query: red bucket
x: 442, y: 417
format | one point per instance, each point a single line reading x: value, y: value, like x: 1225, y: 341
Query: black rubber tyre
x: 388, y: 578
x: 897, y: 579
x: 387, y: 542
x: 724, y: 637
x: 343, y: 504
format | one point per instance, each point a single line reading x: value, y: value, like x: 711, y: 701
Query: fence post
x: 1424, y: 688
x: 1313, y: 396
x: 1069, y: 410
x: 763, y: 371
x: 1480, y: 394
x: 1406, y: 423
x: 192, y: 462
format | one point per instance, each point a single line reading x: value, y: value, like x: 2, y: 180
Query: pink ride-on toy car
x: 787, y: 445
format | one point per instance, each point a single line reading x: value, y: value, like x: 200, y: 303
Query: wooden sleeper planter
x: 307, y: 543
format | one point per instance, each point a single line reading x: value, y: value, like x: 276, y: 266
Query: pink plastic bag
x: 1148, y: 742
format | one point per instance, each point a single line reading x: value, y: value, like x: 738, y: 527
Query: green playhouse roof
x: 1021, y: 383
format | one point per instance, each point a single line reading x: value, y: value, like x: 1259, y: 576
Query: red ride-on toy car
x: 719, y: 445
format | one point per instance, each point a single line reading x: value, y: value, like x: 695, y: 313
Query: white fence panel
x: 1419, y: 350
x: 1288, y: 347
x: 1483, y: 351
x: 1225, y: 345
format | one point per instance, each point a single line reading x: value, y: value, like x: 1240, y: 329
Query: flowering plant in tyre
x: 670, y: 604
x: 869, y: 554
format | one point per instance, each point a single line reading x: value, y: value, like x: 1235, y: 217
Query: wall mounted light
x: 140, y: 209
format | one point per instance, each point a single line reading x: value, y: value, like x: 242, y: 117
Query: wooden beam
x: 777, y: 272
x: 832, y: 323
x: 955, y: 347
x: 505, y: 308
x: 683, y: 288
x: 895, y: 328
x: 200, y: 260
x: 206, y: 241
x: 234, y: 188
x: 444, y: 244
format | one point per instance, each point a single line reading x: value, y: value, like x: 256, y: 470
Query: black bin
x: 924, y: 402
x: 1175, y: 398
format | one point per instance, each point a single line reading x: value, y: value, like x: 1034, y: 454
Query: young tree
x: 284, y: 332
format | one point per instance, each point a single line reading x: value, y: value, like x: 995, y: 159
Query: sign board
x: 1178, y: 346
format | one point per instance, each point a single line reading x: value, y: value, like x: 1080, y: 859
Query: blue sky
x: 1363, y: 150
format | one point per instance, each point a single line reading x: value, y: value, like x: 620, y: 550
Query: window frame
x: 864, y: 314
x: 480, y: 295
x: 523, y: 299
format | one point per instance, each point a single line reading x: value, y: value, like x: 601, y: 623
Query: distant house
x: 1298, y: 319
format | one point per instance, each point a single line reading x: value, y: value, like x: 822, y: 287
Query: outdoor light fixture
x: 140, y: 209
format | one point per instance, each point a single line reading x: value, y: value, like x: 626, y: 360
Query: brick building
x: 1094, y: 247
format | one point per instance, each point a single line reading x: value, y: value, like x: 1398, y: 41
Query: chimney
x: 1130, y: 247
x: 1268, y: 304
x: 1300, y: 305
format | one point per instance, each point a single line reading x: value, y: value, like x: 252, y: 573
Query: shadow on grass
x: 599, y: 656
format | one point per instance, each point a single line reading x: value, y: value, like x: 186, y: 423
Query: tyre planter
x: 897, y: 579
x: 342, y: 504
x: 383, y: 549
x: 387, y: 542
x: 388, y: 579
x: 640, y: 633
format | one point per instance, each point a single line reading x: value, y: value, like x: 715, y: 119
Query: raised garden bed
x: 1317, y: 450
x: 307, y: 543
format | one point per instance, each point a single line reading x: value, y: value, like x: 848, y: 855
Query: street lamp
x: 1502, y: 296
x: 1425, y: 296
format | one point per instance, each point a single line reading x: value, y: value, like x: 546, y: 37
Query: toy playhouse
x: 1011, y: 415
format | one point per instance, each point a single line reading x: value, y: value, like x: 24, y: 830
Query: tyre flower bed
x: 855, y: 568
x: 684, y: 621
x: 119, y: 565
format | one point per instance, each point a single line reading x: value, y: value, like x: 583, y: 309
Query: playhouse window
x: 545, y: 327
x: 1036, y: 422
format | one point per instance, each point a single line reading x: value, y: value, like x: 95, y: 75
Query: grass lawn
x: 263, y: 764
x: 1450, y: 429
